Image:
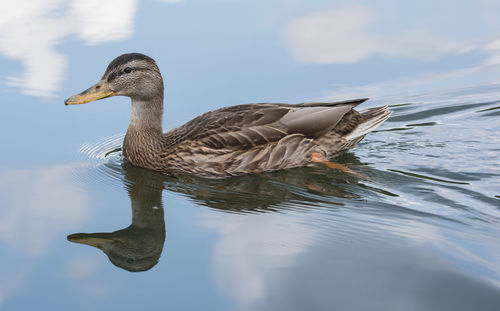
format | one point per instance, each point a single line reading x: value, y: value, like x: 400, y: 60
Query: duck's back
x: 262, y: 137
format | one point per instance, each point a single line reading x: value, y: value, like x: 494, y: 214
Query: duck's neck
x: 147, y: 115
x: 144, y: 133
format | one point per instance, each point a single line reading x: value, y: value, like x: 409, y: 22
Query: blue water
x: 421, y: 234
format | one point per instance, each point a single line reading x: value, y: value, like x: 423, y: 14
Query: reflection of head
x: 133, y: 248
x: 139, y: 246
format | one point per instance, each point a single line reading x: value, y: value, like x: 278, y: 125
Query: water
x: 421, y: 234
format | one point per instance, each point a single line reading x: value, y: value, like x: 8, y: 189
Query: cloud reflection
x: 243, y: 257
x: 344, y: 35
x: 101, y: 21
x: 353, y: 33
x: 38, y: 205
x: 41, y: 203
x: 284, y: 261
x: 30, y: 31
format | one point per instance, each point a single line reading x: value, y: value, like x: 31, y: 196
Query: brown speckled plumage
x: 235, y: 140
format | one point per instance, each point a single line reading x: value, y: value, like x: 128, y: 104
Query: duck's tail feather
x: 372, y: 118
x: 353, y: 102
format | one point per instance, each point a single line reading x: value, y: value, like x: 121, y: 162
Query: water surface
x: 82, y: 229
x: 422, y: 233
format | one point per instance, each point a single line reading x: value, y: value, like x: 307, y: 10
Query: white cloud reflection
x: 39, y: 205
x: 101, y: 21
x: 344, y: 36
x: 30, y: 31
x: 81, y: 268
x: 406, y: 87
x: 277, y: 261
x: 244, y: 257
x: 347, y: 34
x: 352, y: 33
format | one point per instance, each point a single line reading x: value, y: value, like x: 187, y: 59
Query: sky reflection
x: 274, y: 267
x: 428, y: 40
x: 39, y: 202
x: 244, y: 257
x: 42, y: 204
x: 30, y: 32
x: 352, y: 33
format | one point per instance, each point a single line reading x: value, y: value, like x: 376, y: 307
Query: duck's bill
x: 98, y: 91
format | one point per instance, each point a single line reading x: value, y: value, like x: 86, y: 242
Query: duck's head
x: 134, y: 75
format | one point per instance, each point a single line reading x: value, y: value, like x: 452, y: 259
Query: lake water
x: 421, y: 234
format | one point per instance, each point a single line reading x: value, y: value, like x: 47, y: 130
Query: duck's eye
x: 127, y: 70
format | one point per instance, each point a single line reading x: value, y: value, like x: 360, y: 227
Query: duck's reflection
x: 269, y: 191
x: 138, y: 247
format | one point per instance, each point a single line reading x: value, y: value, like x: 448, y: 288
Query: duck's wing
x: 244, y: 126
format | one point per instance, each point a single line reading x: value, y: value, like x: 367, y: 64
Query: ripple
x: 427, y: 113
x: 489, y: 109
x: 105, y: 161
x: 428, y: 177
x: 103, y: 148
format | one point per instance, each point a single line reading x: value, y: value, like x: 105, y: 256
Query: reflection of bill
x: 34, y: 43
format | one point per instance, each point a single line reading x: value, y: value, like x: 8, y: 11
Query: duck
x: 230, y: 141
